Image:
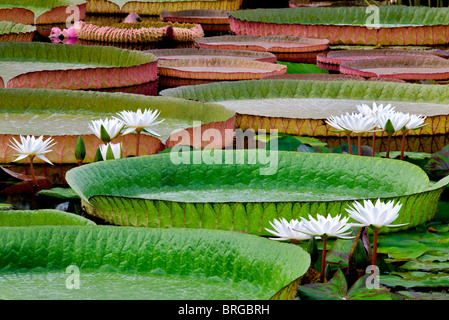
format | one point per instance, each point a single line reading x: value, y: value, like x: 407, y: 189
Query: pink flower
x: 55, y: 32
x: 69, y: 33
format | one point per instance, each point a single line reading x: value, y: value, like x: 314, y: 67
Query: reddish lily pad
x: 316, y: 76
x: 45, y: 65
x: 218, y: 69
x: 340, y: 56
x: 272, y: 44
x: 397, y: 25
x: 40, y: 12
x: 399, y: 68
x: 197, y: 53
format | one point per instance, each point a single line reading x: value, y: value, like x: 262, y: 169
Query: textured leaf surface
x: 11, y: 27
x: 155, y: 7
x: 337, y: 289
x: 142, y: 263
x: 24, y: 110
x: 155, y: 191
x: 389, y: 16
x: 302, y: 106
x: 39, y: 7
x: 18, y: 218
x: 21, y: 60
x: 61, y: 193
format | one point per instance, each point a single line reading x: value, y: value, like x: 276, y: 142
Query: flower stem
x: 374, y: 144
x: 388, y: 146
x: 33, y: 175
x: 375, y: 233
x: 403, y: 145
x: 359, y: 144
x: 349, y: 143
x: 323, y: 260
x: 137, y: 143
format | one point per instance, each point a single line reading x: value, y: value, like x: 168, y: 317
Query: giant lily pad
x: 218, y: 69
x: 11, y: 31
x: 40, y: 11
x: 196, y: 16
x: 434, y: 68
x: 22, y: 218
x: 42, y: 262
x: 65, y: 115
x: 45, y: 65
x: 396, y: 25
x: 339, y: 56
x: 155, y: 7
x: 243, y: 190
x: 197, y: 53
x: 302, y: 106
x: 282, y: 44
x: 315, y: 76
x: 140, y: 32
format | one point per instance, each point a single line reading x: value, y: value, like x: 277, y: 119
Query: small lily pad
x: 60, y: 193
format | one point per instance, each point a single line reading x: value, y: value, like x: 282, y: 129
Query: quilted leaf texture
x: 40, y: 12
x: 103, y: 104
x: 106, y: 67
x: 396, y: 25
x: 258, y: 117
x: 227, y: 257
x: 156, y: 7
x: 18, y: 218
x: 153, y: 191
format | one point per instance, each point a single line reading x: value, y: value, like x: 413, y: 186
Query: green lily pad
x: 405, y: 249
x: 4, y: 206
x: 293, y: 67
x: 246, y: 189
x: 11, y: 27
x: 44, y: 65
x: 299, y: 107
x: 67, y: 115
x: 350, y: 25
x: 282, y: 137
x: 18, y: 218
x: 337, y: 289
x: 42, y: 262
x: 416, y: 279
x: 60, y: 193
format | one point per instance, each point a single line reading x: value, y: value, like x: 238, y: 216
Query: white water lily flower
x: 415, y: 122
x: 377, y: 109
x: 335, y: 122
x: 111, y: 129
x: 376, y: 216
x: 31, y: 147
x: 398, y: 120
x: 355, y: 122
x: 283, y: 230
x: 114, y: 148
x: 326, y: 227
x: 140, y: 121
